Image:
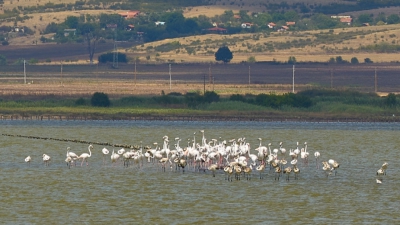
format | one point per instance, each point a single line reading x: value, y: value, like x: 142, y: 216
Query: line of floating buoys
x: 76, y: 141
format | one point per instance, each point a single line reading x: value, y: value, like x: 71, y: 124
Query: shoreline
x: 204, y: 118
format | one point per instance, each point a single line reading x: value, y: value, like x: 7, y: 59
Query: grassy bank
x: 310, y: 105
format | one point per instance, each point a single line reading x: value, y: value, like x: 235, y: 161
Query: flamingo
x: 334, y: 165
x: 247, y: 171
x: 69, y: 160
x: 28, y: 160
x: 326, y: 168
x: 105, y: 152
x: 317, y: 155
x: 278, y: 171
x: 296, y: 171
x: 72, y: 155
x: 287, y: 171
x: 182, y: 163
x: 163, y: 161
x: 283, y: 150
x: 238, y: 171
x: 212, y: 168
x: 46, y: 159
x: 85, y: 156
x: 114, y: 157
x: 260, y: 169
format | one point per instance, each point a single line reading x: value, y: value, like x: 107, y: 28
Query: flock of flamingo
x: 234, y: 157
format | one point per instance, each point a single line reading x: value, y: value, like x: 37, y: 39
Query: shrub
x: 4, y: 43
x: 80, y: 101
x: 237, y: 97
x: 211, y: 96
x: 100, y: 99
x: 367, y: 60
x: 292, y: 60
x: 354, y: 60
x: 391, y: 100
x: 109, y: 57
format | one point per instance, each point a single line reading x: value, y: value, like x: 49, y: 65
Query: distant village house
x: 68, y: 32
x: 271, y: 25
x: 130, y: 27
x: 247, y: 25
x: 159, y: 23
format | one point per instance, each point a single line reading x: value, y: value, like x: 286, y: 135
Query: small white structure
x: 159, y: 23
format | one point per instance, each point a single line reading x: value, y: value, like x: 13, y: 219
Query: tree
x: 354, y: 60
x: 72, y: 22
x: 365, y: 18
x: 393, y: 19
x: 224, y: 54
x: 100, y: 99
x: 292, y: 60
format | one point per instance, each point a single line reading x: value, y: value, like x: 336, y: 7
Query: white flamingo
x: 69, y: 160
x: 28, y: 160
x: 85, y: 156
x: 105, y: 152
x: 114, y: 157
x: 46, y: 159
x: 73, y: 156
x: 317, y: 155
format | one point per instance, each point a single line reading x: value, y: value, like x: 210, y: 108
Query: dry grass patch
x: 243, y: 45
x: 209, y: 11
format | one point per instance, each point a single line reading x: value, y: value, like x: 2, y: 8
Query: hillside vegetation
x: 313, y: 36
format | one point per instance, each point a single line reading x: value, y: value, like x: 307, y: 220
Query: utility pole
x: 24, y: 72
x: 376, y: 81
x: 135, y: 72
x: 170, y: 78
x: 61, y: 73
x: 204, y: 85
x: 293, y: 78
x: 249, y: 78
x: 213, y: 81
x: 115, y: 55
x: 209, y: 74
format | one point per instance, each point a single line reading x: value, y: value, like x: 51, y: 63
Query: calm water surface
x: 100, y: 194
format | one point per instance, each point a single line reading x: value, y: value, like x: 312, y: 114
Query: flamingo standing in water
x: 317, y: 155
x: 72, y: 155
x: 46, y: 159
x: 105, y: 152
x: 85, y: 156
x: 28, y: 160
x: 114, y: 157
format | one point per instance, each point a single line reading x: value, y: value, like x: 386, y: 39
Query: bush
x: 80, y: 101
x: 211, y: 96
x: 100, y: 99
x: 391, y: 100
x: 367, y: 60
x: 292, y: 60
x: 4, y: 43
x: 109, y: 57
x: 237, y: 97
x: 354, y: 60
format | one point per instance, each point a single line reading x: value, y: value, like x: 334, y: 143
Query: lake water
x: 106, y: 194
